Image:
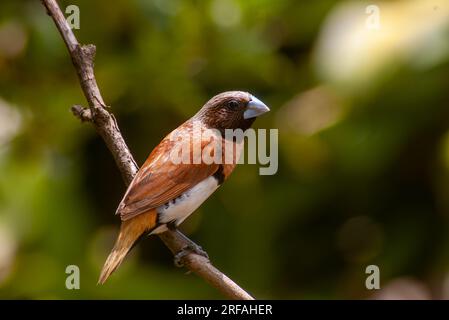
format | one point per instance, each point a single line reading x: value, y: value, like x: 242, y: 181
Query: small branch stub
x: 84, y: 114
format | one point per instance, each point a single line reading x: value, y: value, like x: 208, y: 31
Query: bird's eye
x: 233, y: 104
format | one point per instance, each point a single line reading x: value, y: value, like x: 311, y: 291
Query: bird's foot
x: 192, y: 247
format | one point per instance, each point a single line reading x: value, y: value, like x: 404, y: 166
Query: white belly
x: 177, y: 210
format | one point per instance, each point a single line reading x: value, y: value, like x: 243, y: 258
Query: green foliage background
x: 363, y: 160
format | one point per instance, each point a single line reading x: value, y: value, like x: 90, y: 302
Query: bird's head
x: 231, y: 110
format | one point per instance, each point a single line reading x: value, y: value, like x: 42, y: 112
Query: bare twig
x: 106, y: 125
x: 84, y: 114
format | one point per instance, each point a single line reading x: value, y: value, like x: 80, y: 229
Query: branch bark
x: 106, y: 125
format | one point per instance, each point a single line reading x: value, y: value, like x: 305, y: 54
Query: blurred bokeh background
x: 360, y: 95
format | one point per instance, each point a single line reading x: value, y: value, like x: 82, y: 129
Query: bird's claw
x: 185, y: 251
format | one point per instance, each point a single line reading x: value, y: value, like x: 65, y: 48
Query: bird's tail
x: 130, y: 231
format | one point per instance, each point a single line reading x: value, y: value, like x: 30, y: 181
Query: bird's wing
x: 160, y: 180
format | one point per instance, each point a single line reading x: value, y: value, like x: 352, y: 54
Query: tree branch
x: 106, y: 126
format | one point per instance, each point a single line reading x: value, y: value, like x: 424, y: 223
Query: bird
x: 164, y: 192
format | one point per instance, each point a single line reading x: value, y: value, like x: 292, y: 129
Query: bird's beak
x: 255, y: 108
